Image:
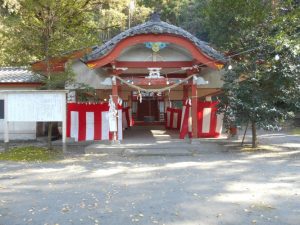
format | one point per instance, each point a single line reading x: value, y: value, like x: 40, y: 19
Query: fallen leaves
x: 65, y: 209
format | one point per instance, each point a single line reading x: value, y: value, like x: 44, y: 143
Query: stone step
x: 157, y: 152
x: 141, y: 152
x: 111, y: 149
x: 153, y: 149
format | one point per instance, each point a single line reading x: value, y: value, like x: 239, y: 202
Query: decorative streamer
x: 151, y: 89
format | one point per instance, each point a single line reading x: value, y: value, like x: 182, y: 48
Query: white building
x: 18, y: 78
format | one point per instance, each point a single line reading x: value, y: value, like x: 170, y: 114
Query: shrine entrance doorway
x: 148, y: 108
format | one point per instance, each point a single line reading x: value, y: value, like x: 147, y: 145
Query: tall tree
x: 264, y: 86
x: 43, y: 29
x: 226, y: 21
x: 113, y: 16
x: 46, y: 28
x: 170, y: 10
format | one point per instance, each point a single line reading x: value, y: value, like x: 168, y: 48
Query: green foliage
x: 226, y: 21
x: 59, y: 81
x: 296, y: 131
x: 113, y: 17
x: 85, y: 93
x: 170, y: 9
x: 29, y: 154
x: 45, y: 28
x: 33, y: 30
x: 264, y: 86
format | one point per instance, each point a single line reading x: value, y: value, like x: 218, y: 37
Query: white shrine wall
x: 18, y: 130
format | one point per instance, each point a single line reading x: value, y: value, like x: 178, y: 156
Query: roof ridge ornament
x: 155, y: 17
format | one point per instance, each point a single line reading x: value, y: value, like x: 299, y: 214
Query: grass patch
x: 248, y: 148
x: 296, y: 131
x: 30, y: 154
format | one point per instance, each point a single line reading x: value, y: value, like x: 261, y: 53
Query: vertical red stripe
x: 185, y: 123
x: 127, y: 117
x: 82, y: 123
x: 200, y: 121
x: 111, y: 135
x: 68, y: 121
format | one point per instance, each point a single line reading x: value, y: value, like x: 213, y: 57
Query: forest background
x: 259, y: 37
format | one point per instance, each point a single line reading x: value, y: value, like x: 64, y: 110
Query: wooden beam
x: 57, y: 64
x: 142, y: 75
x: 158, y: 64
x: 146, y: 81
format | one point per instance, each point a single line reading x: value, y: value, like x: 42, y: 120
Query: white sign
x: 36, y: 106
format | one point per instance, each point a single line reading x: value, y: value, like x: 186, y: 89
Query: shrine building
x: 150, y: 67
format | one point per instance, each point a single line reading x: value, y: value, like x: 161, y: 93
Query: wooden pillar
x: 115, y: 100
x: 6, y: 135
x: 185, y: 92
x: 194, y: 111
x: 64, y: 126
x: 6, y: 125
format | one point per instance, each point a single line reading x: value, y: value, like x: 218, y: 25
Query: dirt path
x: 215, y: 187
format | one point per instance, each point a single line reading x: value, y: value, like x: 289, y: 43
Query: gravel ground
x: 213, y: 187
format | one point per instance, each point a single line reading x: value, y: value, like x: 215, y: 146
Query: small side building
x: 19, y: 78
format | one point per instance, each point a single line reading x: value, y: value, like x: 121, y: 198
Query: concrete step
x: 141, y: 151
x: 144, y: 149
x: 157, y: 152
x: 94, y: 149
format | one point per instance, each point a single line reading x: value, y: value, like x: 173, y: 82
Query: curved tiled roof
x: 153, y: 26
x: 18, y: 75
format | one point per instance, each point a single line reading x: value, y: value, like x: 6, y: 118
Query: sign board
x: 36, y: 106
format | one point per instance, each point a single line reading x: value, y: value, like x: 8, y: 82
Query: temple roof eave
x: 153, y: 27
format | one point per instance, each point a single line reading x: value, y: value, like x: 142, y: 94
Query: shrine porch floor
x: 145, y: 140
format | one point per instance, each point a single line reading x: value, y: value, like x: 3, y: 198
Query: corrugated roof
x: 153, y: 26
x: 18, y: 75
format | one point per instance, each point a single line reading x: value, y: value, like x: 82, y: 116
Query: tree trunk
x: 245, y: 133
x: 48, y: 73
x: 254, y: 135
x: 49, y: 142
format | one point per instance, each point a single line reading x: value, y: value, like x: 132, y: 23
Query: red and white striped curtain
x: 91, y: 122
x: 209, y: 122
x: 186, y: 120
x: 173, y: 118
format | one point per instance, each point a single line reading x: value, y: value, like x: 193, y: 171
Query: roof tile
x: 153, y: 26
x: 18, y: 75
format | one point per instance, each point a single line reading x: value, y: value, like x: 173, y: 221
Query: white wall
x: 18, y: 130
